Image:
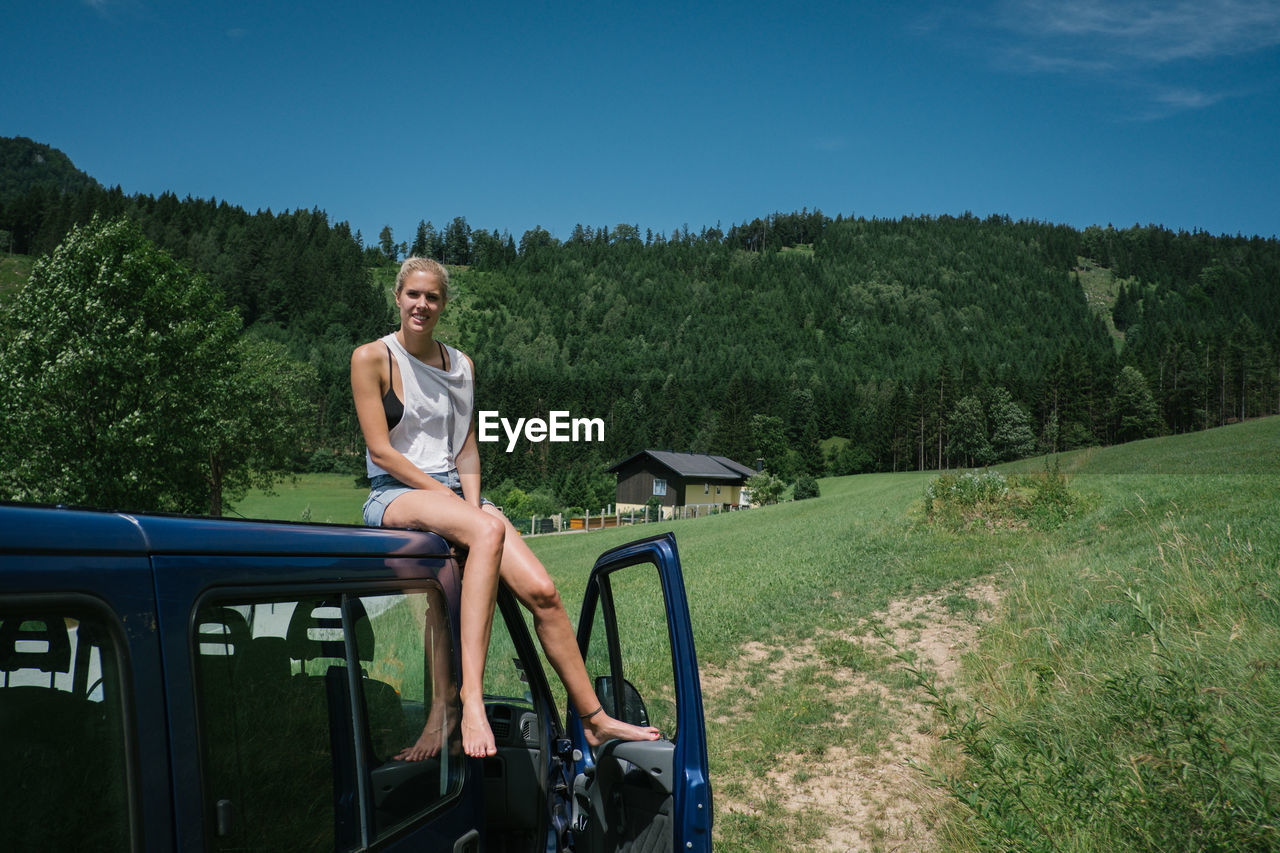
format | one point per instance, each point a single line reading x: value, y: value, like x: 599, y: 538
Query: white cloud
x: 1188, y: 99
x: 115, y: 8
x: 1164, y: 101
x: 1140, y: 32
x: 1139, y: 45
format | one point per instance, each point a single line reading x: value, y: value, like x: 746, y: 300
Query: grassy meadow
x: 1126, y: 696
x: 325, y: 498
x: 1122, y: 695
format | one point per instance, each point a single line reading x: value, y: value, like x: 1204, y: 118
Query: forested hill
x: 888, y: 344
x: 25, y: 164
x: 861, y: 334
x: 294, y: 277
x: 877, y: 331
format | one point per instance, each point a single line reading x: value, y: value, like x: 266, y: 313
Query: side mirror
x: 632, y: 709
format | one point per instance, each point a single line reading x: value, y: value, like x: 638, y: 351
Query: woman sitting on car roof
x: 413, y: 397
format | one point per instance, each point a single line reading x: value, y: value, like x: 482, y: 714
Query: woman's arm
x: 468, y: 459
x: 367, y: 388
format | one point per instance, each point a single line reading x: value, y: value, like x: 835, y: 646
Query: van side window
x: 414, y: 757
x: 64, y: 782
x: 326, y: 720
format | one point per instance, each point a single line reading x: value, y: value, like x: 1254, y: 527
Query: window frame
x: 659, y: 487
x: 78, y: 605
x: 366, y: 832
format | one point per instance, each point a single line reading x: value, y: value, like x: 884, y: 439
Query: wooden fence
x: 612, y: 517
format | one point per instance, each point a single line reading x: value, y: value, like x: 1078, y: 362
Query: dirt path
x: 861, y: 792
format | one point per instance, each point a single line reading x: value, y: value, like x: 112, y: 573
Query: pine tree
x: 457, y: 242
x: 386, y: 242
x: 420, y: 247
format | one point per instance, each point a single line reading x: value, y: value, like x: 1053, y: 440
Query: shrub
x: 991, y: 499
x: 764, y: 488
x: 539, y: 502
x: 806, y: 487
x: 325, y: 461
x: 1051, y: 502
x: 961, y: 498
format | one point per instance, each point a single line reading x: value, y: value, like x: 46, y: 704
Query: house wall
x: 635, y: 486
x: 704, y: 492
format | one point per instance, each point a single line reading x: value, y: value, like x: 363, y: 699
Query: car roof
x: 26, y: 528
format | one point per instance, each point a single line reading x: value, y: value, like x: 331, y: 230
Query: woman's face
x: 421, y: 300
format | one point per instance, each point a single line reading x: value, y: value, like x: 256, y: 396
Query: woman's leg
x: 458, y: 521
x: 442, y: 718
x: 527, y: 578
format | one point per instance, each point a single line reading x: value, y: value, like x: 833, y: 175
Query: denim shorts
x: 384, y: 489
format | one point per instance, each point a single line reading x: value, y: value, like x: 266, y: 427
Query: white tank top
x: 437, y: 410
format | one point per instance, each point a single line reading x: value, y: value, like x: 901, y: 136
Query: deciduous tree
x: 1135, y: 412
x: 769, y: 441
x: 125, y: 384
x: 1011, y: 433
x: 969, y: 432
x: 764, y: 488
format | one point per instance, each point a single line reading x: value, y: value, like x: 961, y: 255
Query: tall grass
x: 1152, y: 728
x: 1128, y: 698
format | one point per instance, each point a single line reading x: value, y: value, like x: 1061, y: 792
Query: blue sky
x: 661, y: 115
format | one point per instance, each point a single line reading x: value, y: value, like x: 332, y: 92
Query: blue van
x: 175, y: 683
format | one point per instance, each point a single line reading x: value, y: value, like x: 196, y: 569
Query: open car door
x: 637, y: 640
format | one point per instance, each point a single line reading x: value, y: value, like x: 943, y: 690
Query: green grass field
x: 1133, y: 658
x: 1127, y: 697
x: 326, y: 498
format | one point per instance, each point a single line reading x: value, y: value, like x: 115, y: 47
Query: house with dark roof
x: 679, y: 480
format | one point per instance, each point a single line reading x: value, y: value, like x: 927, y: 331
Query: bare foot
x: 602, y: 727
x: 427, y: 746
x: 477, y: 737
x: 439, y: 723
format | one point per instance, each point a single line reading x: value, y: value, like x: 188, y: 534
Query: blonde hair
x: 427, y: 265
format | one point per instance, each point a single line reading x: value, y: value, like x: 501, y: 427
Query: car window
x: 414, y: 757
x: 62, y: 730
x: 504, y: 674
x: 643, y: 645
x: 292, y: 737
